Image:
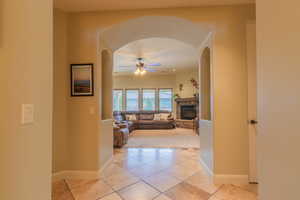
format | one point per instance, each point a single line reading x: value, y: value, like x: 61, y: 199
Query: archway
x: 197, y: 35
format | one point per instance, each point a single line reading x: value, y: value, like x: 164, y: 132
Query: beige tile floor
x: 152, y: 174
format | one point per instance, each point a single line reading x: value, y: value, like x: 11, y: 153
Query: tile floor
x: 152, y: 174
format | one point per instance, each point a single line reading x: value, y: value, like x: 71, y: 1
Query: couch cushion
x: 131, y: 117
x: 162, y: 122
x: 146, y: 116
x: 146, y: 122
x: 156, y: 117
x: 164, y: 116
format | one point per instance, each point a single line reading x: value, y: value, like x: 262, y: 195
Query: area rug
x: 169, y: 138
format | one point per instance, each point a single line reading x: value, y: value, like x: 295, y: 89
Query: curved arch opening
x: 155, y: 26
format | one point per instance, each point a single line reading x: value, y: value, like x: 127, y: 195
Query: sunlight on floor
x: 168, y: 138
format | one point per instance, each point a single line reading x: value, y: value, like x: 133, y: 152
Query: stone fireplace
x: 187, y: 108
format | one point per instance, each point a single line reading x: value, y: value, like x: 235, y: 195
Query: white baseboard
x: 230, y: 179
x: 225, y: 178
x: 78, y: 174
x: 75, y: 174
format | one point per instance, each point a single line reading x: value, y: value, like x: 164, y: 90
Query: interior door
x: 252, y: 100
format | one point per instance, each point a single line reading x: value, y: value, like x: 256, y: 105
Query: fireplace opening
x: 188, y: 112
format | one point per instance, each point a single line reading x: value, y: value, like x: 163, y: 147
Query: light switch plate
x: 27, y: 113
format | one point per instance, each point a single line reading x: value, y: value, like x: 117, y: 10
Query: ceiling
x: 100, y: 5
x: 173, y: 56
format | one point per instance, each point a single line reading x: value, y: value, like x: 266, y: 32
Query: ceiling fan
x: 140, y: 67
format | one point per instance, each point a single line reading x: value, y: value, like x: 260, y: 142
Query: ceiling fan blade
x: 150, y: 70
x: 154, y: 64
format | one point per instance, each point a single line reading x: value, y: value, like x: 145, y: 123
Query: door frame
x: 252, y: 99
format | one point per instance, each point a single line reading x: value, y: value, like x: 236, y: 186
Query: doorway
x: 198, y: 36
x: 156, y: 92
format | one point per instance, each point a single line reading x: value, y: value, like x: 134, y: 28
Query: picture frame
x: 82, y: 80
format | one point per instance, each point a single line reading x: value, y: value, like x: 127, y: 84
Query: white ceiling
x: 173, y: 55
x: 97, y: 5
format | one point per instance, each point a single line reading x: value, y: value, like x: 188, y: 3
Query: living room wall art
x: 82, y: 80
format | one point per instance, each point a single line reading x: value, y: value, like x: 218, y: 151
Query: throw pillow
x: 132, y: 117
x: 156, y: 117
x: 146, y: 116
x: 164, y: 116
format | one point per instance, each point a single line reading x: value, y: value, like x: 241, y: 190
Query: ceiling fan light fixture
x: 137, y: 71
x: 143, y: 72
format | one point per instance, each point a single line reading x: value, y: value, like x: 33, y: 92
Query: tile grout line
x: 159, y: 192
x: 69, y: 188
x: 213, y: 194
x: 245, y: 189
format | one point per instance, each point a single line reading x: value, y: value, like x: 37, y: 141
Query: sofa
x: 121, y: 134
x: 144, y: 120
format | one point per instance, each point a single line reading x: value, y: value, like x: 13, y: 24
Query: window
x: 165, y: 99
x: 118, y: 100
x: 148, y: 99
x: 144, y: 99
x: 132, y: 100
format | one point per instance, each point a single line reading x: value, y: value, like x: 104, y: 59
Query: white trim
x: 58, y: 176
x: 206, y: 168
x: 224, y: 178
x: 230, y: 179
x: 77, y: 174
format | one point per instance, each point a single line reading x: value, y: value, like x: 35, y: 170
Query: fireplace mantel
x: 190, y: 100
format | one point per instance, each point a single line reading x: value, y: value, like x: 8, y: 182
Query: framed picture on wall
x: 82, y: 80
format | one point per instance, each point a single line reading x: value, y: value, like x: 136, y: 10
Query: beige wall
x: 146, y: 81
x: 278, y: 42
x: 60, y: 151
x: 184, y: 77
x: 25, y: 78
x: 230, y: 75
